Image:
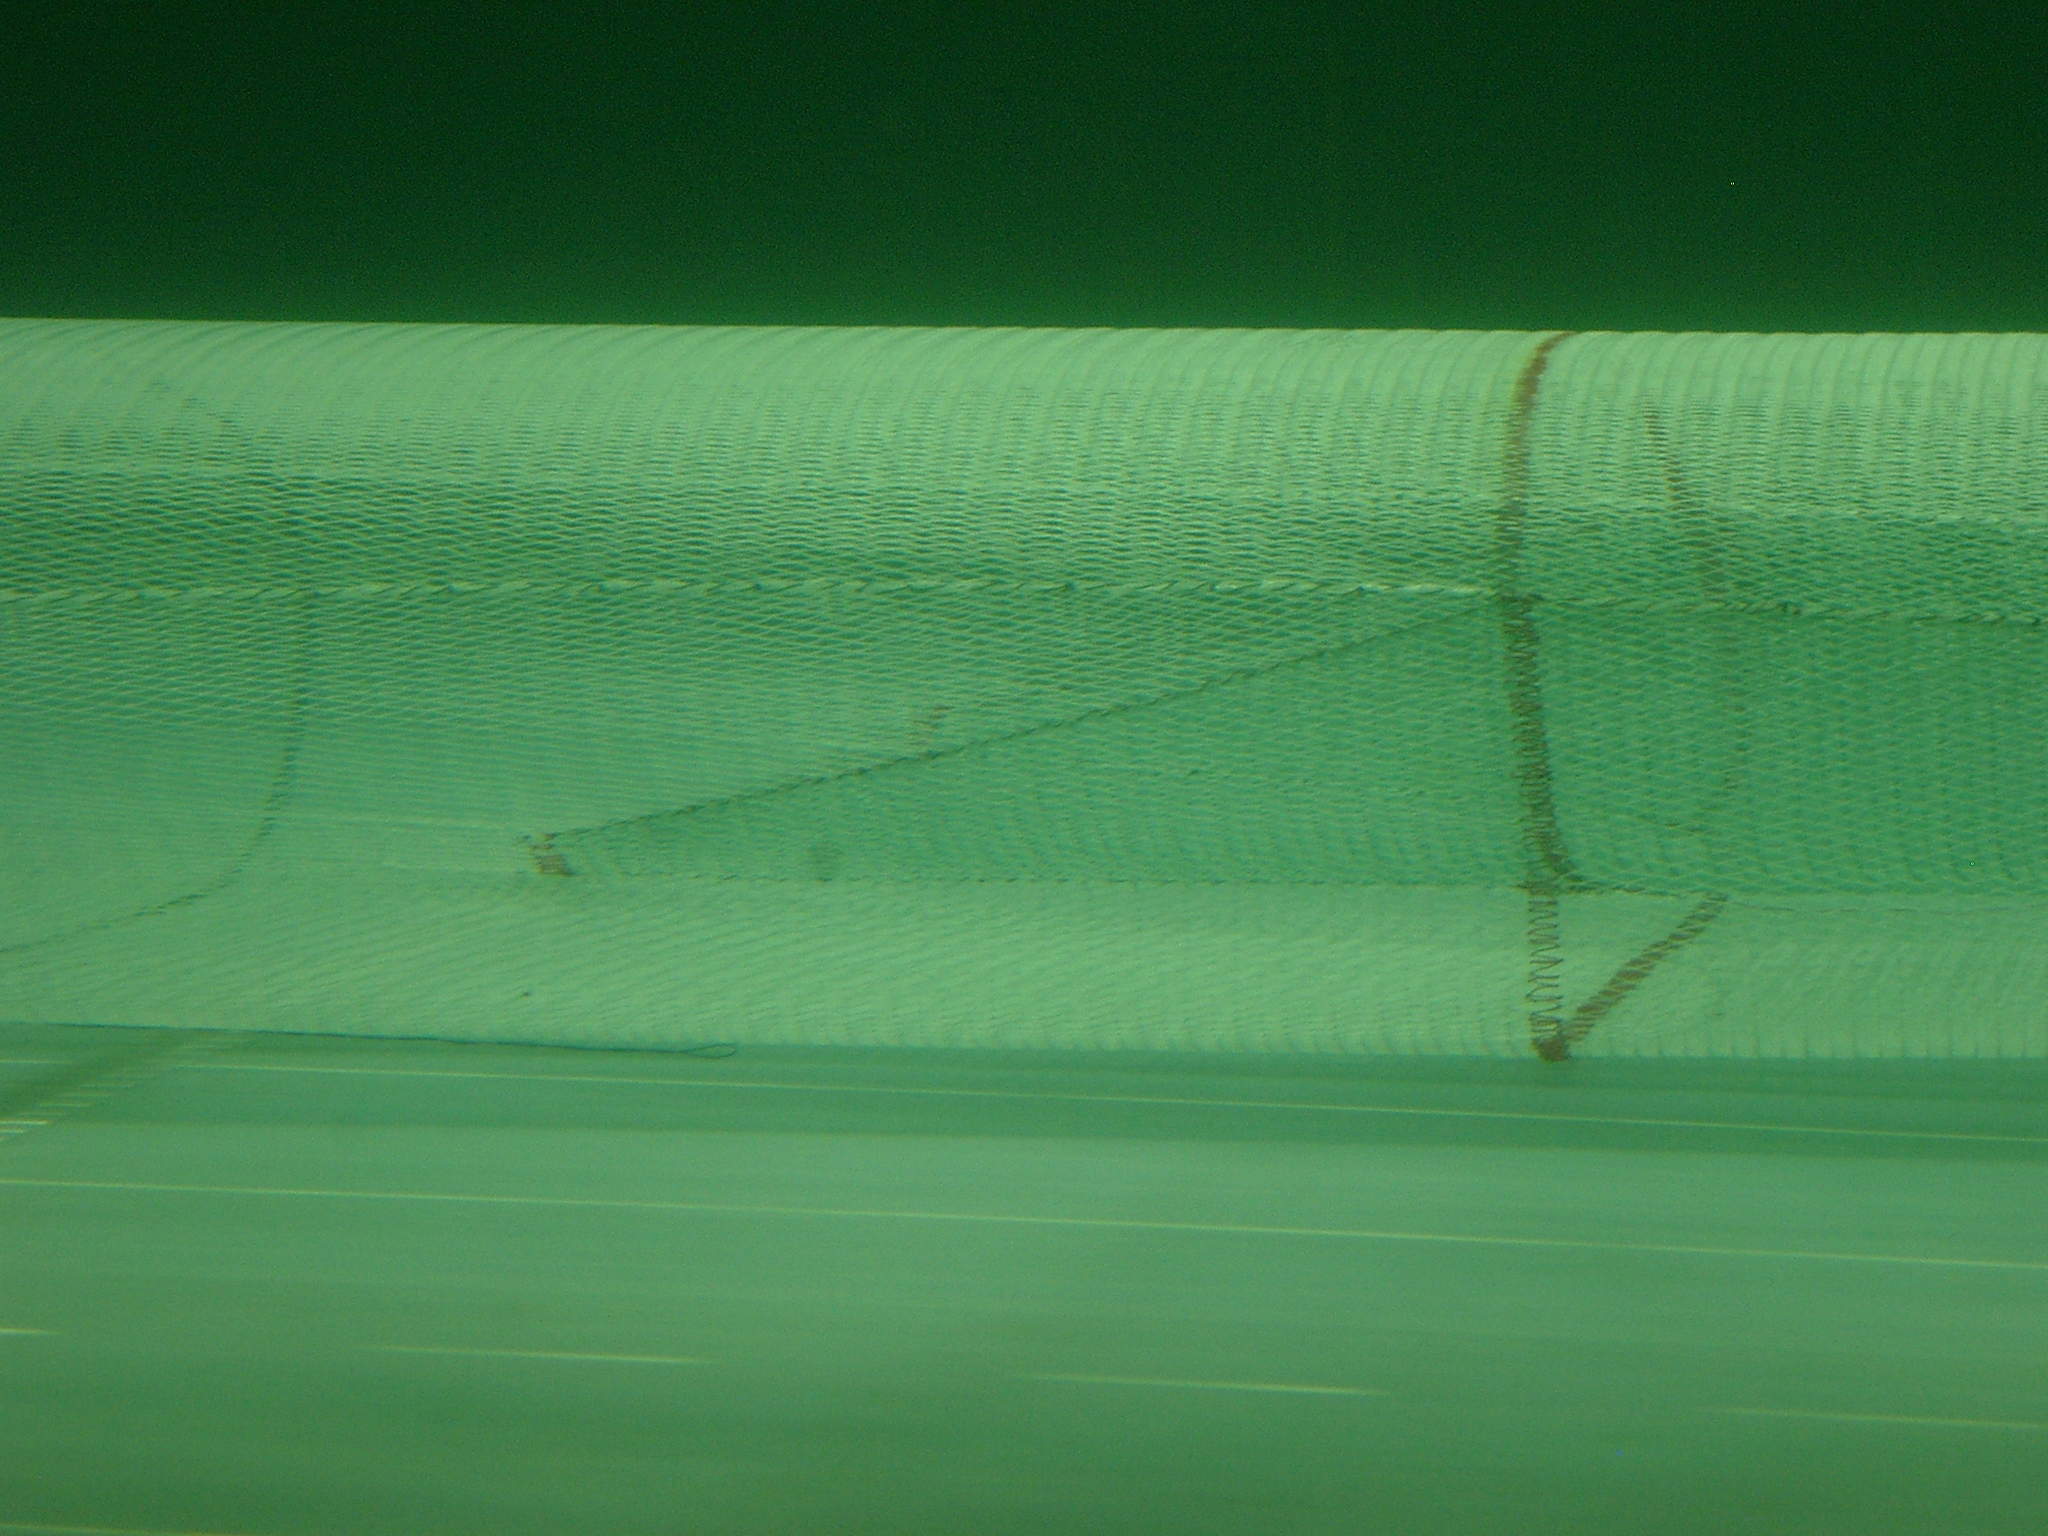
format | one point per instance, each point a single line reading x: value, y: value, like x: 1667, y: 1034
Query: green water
x: 1073, y: 860
x: 1089, y: 806
x: 282, y: 1286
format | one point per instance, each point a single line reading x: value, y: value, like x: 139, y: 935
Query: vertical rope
x: 1550, y: 859
x: 1548, y: 870
x: 1545, y: 991
x: 1552, y: 1033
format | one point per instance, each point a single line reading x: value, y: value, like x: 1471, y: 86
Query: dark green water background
x: 1724, y: 167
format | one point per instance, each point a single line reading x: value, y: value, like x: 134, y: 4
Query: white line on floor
x: 24, y: 1333
x: 13, y: 1529
x: 536, y: 1354
x: 1215, y: 1386
x: 1111, y: 1098
x: 1079, y: 1223
x: 1881, y: 1418
x: 30, y: 1061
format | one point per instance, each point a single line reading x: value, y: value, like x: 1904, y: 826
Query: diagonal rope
x: 1552, y: 1032
x: 269, y: 815
x: 551, y: 850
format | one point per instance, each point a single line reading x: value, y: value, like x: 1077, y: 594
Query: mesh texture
x: 1259, y: 690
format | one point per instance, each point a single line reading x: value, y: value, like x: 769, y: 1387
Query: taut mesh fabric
x: 1293, y: 691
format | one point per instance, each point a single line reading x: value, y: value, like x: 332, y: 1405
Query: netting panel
x: 1253, y: 690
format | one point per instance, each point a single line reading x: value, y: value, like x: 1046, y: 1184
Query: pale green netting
x: 1252, y: 690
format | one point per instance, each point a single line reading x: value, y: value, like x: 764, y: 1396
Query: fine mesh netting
x: 1600, y: 693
